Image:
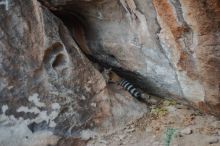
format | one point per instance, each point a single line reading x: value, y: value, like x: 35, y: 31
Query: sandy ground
x: 167, y: 124
x: 163, y: 123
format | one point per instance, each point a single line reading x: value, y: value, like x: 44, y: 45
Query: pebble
x: 216, y: 124
x: 152, y: 101
x: 178, y: 134
x: 103, y: 141
x: 132, y: 126
x: 122, y: 143
x: 130, y: 130
x: 186, y: 131
x: 171, y: 108
x: 10, y: 87
x: 121, y: 137
x: 148, y: 130
x: 180, y: 106
x: 213, y: 140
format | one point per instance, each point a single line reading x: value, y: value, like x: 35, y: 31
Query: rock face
x: 48, y: 88
x: 170, y: 48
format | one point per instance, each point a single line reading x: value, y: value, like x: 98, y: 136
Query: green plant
x: 169, y: 102
x: 168, y: 136
x: 159, y: 111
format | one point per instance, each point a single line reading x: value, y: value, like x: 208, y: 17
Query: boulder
x: 49, y: 90
x: 168, y: 48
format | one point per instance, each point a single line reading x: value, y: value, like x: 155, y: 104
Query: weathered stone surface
x: 193, y: 27
x: 171, y: 48
x: 48, y: 88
